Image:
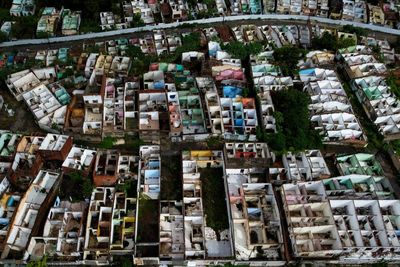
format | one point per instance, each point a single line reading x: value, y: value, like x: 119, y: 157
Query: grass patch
x: 214, y: 203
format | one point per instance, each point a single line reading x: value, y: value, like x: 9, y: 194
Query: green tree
x: 326, y: 41
x: 294, y: 131
x: 242, y: 51
x: 137, y: 21
x: 134, y: 51
x: 345, y: 42
x: 330, y: 42
x: 24, y: 27
x: 287, y: 58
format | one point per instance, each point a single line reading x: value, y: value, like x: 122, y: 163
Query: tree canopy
x: 287, y: 58
x: 292, y: 118
x: 241, y: 50
x: 330, y: 42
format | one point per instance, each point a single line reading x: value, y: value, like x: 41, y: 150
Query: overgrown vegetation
x: 214, y: 142
x: 40, y: 263
x: 148, y: 220
x: 212, y: 185
x: 24, y: 27
x: 287, y: 58
x: 171, y: 180
x: 294, y: 131
x: 331, y: 42
x: 133, y: 143
x: 122, y: 261
x: 129, y: 187
x: 108, y: 142
x: 76, y: 186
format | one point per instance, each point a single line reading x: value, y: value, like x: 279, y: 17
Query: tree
x: 24, y: 27
x: 326, y: 41
x: 287, y: 58
x: 330, y: 42
x: 137, y: 21
x: 292, y: 120
x: 134, y: 51
x: 242, y: 51
x: 345, y: 42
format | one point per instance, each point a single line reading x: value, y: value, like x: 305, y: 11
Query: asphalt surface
x: 272, y: 19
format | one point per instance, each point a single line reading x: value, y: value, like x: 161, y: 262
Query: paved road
x: 267, y: 19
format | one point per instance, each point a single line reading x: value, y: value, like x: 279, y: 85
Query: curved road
x: 287, y: 19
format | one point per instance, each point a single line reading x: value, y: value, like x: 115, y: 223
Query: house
x: 380, y: 104
x: 79, y: 160
x: 55, y: 147
x: 122, y: 229
x: 23, y: 8
x: 358, y: 186
x: 305, y: 166
x: 6, y: 27
x: 267, y: 78
x: 74, y: 117
x: 247, y: 155
x: 27, y: 162
x: 8, y: 144
x: 360, y: 163
x: 93, y: 116
x: 386, y: 51
x: 71, y: 22
x: 120, y: 66
x: 331, y: 112
x: 149, y: 180
x: 376, y: 15
x: 98, y: 226
x: 198, y: 237
x: 310, y: 220
x: 172, y: 242
x: 29, y: 214
x: 255, y: 218
x: 62, y: 237
x: 110, y: 21
x: 47, y: 24
x: 143, y: 9
x: 41, y: 101
x: 11, y: 200
x: 180, y: 10
x: 105, y: 168
x: 130, y: 112
x: 358, y: 225
x: 20, y: 82
x: 113, y: 108
x: 191, y: 109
